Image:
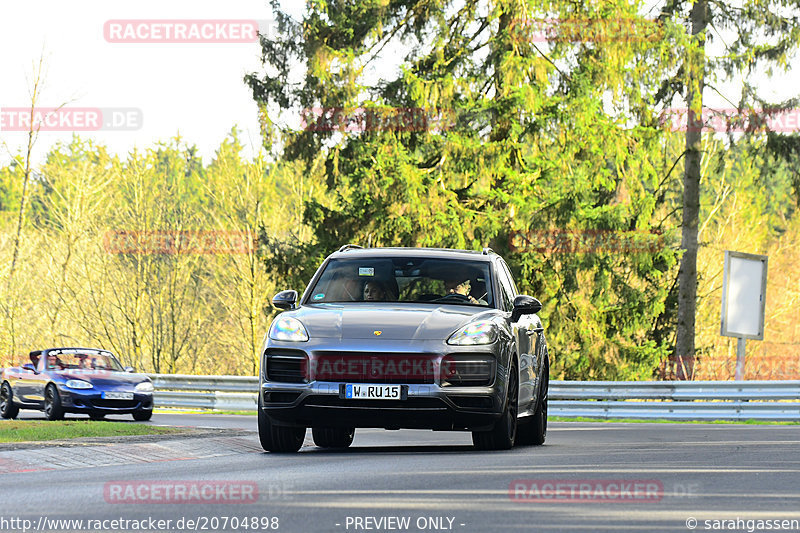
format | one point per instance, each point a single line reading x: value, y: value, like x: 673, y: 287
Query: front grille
x: 286, y: 366
x: 371, y: 367
x: 119, y: 404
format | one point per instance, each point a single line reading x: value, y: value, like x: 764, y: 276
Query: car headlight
x: 286, y: 328
x: 78, y: 384
x: 484, y: 332
x: 145, y: 386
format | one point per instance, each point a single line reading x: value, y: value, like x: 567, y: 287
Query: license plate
x: 116, y: 395
x: 359, y: 391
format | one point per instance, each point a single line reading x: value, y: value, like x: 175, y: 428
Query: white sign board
x: 744, y: 293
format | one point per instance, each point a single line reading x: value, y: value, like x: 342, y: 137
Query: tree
x: 242, y: 199
x: 765, y: 34
x: 515, y: 141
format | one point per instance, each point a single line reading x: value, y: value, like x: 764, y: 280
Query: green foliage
x: 529, y: 147
x: 160, y: 309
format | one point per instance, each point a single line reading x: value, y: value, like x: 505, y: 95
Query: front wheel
x: 7, y: 407
x: 278, y: 438
x: 333, y: 437
x: 143, y: 415
x: 52, y: 404
x: 504, y: 433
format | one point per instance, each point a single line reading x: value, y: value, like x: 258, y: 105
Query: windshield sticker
x: 366, y: 271
x: 319, y: 296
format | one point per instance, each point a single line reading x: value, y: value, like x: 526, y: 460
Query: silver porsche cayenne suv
x: 405, y: 338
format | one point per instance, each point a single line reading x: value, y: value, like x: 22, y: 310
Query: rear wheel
x: 504, y: 433
x: 97, y: 416
x: 535, y: 431
x: 52, y: 404
x: 7, y: 407
x: 333, y: 437
x: 278, y: 438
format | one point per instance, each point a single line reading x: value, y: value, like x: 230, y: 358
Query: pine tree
x: 517, y: 147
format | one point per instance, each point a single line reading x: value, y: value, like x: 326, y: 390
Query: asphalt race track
x: 588, y: 477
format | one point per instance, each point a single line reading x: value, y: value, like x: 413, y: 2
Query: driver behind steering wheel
x: 461, y: 287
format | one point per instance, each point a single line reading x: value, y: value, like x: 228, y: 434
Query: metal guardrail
x: 671, y: 400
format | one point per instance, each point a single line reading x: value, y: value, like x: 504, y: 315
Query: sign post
x: 744, y: 294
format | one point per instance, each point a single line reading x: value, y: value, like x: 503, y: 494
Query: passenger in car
x: 377, y: 291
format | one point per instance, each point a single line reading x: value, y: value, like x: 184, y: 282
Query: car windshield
x: 82, y: 360
x: 404, y: 279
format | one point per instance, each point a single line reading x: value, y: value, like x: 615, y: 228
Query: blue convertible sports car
x: 75, y: 380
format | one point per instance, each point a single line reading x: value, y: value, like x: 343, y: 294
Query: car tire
x: 333, y: 437
x: 7, y: 407
x: 278, y: 438
x: 534, y: 431
x: 52, y: 403
x: 97, y: 416
x: 143, y: 416
x: 504, y: 433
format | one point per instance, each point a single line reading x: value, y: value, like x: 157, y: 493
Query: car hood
x: 393, y: 322
x: 103, y: 378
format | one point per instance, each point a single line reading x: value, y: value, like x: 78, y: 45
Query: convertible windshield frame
x: 82, y: 360
x: 411, y: 279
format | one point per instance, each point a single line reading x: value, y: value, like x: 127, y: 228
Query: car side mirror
x: 29, y: 366
x: 525, y: 305
x: 129, y: 369
x: 285, y: 299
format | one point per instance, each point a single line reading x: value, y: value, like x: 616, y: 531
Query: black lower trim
x: 412, y: 413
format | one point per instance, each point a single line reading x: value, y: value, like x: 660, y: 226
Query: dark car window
x: 405, y: 280
x: 507, y: 287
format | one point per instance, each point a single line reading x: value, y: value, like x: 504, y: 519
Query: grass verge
x: 665, y: 421
x: 44, y: 430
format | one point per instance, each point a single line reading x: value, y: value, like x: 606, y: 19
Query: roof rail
x: 487, y: 251
x: 350, y: 247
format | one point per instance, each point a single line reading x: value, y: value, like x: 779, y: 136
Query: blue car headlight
x: 286, y: 328
x: 474, y: 333
x: 144, y: 387
x: 78, y: 384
